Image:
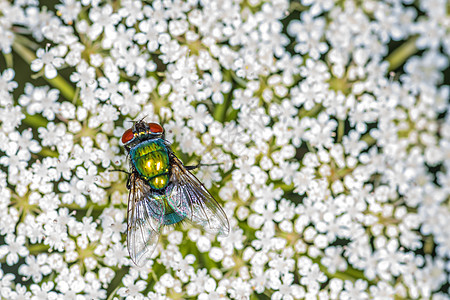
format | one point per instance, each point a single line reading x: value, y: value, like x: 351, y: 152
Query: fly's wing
x: 189, y: 198
x: 145, y: 217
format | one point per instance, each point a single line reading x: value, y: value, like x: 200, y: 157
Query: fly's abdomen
x: 151, y: 160
x: 170, y: 216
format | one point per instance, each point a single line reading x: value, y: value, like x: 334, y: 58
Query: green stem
x: 349, y: 274
x: 293, y: 6
x: 113, y: 293
x: 238, y: 80
x: 26, y: 54
x: 370, y: 141
x: 20, y: 38
x: 65, y: 88
x: 310, y: 113
x: 89, y: 211
x: 8, y: 59
x: 48, y: 153
x: 220, y: 111
x: 341, y: 173
x: 402, y: 53
x: 340, y: 130
x: 76, y: 207
x: 38, y: 248
x: 116, y: 283
x: 35, y: 121
x: 356, y: 274
x: 283, y: 186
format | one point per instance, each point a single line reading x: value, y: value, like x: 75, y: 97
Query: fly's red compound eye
x: 155, y: 128
x: 127, y: 136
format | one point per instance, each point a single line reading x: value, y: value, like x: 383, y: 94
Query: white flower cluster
x: 334, y: 171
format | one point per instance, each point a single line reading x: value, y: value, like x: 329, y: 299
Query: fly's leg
x: 189, y: 168
x: 200, y: 165
x: 126, y: 172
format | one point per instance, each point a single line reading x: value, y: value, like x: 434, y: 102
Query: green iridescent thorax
x: 151, y: 160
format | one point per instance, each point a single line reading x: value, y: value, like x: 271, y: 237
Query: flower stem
x: 35, y: 121
x: 116, y: 283
x: 37, y: 248
x: 302, y: 112
x: 402, y: 53
x: 340, y: 130
x: 113, y: 293
x: 8, y: 59
x: 220, y: 110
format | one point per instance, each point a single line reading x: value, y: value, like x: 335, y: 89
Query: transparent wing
x: 145, y: 217
x: 189, y: 198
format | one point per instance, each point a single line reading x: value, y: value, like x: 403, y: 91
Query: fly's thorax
x: 151, y: 160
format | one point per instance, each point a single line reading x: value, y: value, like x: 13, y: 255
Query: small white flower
x: 132, y: 288
x: 101, y: 17
x: 35, y: 267
x: 6, y: 81
x: 49, y: 60
x: 85, y: 75
x: 69, y: 10
x: 240, y: 289
x: 15, y: 247
x: 6, y: 39
x: 15, y: 158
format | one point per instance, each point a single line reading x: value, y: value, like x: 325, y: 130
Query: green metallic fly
x: 162, y: 191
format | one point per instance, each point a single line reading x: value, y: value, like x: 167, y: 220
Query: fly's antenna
x: 131, y: 121
x: 140, y: 120
x: 134, y: 122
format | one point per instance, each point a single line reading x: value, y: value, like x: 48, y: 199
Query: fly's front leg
x: 189, y: 168
x: 200, y: 165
